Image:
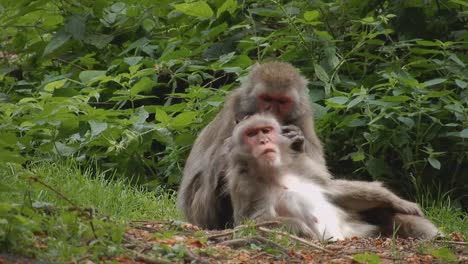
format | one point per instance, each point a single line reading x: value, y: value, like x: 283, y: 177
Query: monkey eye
x: 283, y: 101
x: 251, y: 133
x: 266, y: 98
x: 266, y: 130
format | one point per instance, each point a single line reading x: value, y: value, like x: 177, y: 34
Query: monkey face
x: 277, y: 104
x: 263, y: 142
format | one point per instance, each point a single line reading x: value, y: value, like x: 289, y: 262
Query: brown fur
x: 257, y: 192
x: 199, y: 196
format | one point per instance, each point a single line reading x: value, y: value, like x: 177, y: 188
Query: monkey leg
x: 402, y: 225
x: 360, y: 195
x: 207, y: 204
x: 414, y: 226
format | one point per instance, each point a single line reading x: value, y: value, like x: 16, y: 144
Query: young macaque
x: 268, y: 180
x: 270, y: 177
x: 274, y: 87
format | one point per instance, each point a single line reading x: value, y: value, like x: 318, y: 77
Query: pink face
x: 262, y: 141
x: 279, y: 105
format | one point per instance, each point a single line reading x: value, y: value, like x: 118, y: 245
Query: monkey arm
x: 361, y: 195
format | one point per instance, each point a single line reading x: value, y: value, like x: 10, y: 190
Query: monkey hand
x: 295, y: 136
x: 407, y: 207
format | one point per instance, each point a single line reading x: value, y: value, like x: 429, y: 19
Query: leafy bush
x: 129, y: 84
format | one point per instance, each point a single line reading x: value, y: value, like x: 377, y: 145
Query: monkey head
x: 259, y: 136
x: 275, y: 88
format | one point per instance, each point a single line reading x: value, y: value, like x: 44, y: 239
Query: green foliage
x: 444, y: 254
x: 370, y: 258
x: 129, y: 84
x: 36, y: 221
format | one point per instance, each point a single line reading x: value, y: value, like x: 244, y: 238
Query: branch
x: 303, y: 241
x: 240, y: 227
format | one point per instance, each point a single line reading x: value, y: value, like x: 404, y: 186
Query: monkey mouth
x: 269, y: 150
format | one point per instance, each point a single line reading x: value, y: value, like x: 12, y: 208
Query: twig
x: 192, y: 256
x: 239, y: 242
x: 36, y: 179
x: 151, y: 260
x: 295, y: 238
x: 257, y: 240
x: 90, y: 212
x: 239, y: 227
x: 271, y: 243
x: 261, y: 253
x: 452, y: 242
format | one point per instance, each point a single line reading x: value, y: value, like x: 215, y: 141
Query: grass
x: 36, y: 221
x: 108, y: 194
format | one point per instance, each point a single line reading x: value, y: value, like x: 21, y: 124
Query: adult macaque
x: 273, y: 87
x: 269, y: 177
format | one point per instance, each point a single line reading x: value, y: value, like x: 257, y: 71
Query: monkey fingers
x: 295, y: 136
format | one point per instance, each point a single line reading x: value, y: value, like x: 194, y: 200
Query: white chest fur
x: 330, y: 219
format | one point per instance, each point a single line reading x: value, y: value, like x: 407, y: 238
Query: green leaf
x: 76, y: 25
x: 198, y: 9
x: 367, y: 20
x: 396, y: 99
x: 337, y: 102
x: 355, y: 101
x: 454, y: 58
x: 145, y: 84
x: 87, y: 76
x: 162, y: 116
x: 56, y: 42
x: 5, y: 207
x: 64, y: 150
x: 369, y: 258
x: 434, y: 163
x: 454, y: 108
x: 407, y: 121
x: 427, y: 43
x: 183, y: 119
x: 50, y: 87
x: 184, y: 139
x: 376, y: 168
x: 267, y: 12
x: 461, y: 83
x: 358, y: 156
x: 437, y: 94
x: 321, y: 73
x: 435, y: 82
x: 132, y: 61
x: 99, y: 41
x: 460, y: 2
x: 464, y: 133
x: 311, y: 15
x: 444, y: 254
x: 229, y: 6
x: 97, y: 127
x: 348, y: 119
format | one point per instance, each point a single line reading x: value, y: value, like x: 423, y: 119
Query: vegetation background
x: 118, y: 90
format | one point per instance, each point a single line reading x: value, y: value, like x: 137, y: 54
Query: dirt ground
x: 153, y: 243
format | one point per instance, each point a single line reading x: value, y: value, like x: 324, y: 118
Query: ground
x: 151, y: 243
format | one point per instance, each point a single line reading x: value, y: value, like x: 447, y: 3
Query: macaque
x: 268, y: 180
x: 274, y: 87
x: 270, y: 177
